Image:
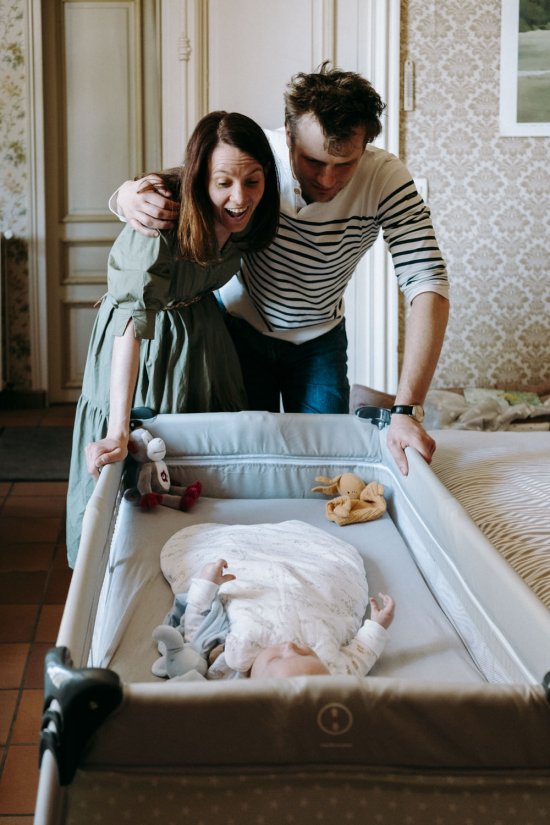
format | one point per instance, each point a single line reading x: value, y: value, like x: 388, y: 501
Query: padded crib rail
x: 77, y: 623
x: 248, y: 454
x: 265, y: 434
x: 326, y: 721
x: 76, y: 702
x: 319, y: 720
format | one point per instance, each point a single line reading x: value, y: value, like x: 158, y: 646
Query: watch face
x: 418, y: 413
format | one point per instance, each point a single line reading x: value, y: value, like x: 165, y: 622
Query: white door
x: 239, y: 55
x: 101, y: 126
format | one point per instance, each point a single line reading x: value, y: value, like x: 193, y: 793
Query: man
x: 285, y: 306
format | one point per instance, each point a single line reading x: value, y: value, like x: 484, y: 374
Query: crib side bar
x: 76, y: 629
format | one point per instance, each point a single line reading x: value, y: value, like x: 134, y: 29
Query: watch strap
x: 415, y: 411
x: 403, y: 409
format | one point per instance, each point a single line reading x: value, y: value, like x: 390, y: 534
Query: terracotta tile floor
x: 34, y: 578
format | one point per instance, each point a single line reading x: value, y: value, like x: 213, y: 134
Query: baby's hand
x: 213, y: 572
x: 384, y: 615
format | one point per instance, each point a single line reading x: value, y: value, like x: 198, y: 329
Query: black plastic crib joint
x: 76, y: 702
x: 380, y: 416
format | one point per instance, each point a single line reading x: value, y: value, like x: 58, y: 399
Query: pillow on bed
x: 294, y: 582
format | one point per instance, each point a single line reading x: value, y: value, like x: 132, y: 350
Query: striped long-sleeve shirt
x: 294, y: 289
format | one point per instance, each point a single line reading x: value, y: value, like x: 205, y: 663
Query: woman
x: 159, y: 339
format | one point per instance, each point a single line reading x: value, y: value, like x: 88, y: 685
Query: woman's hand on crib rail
x: 106, y: 451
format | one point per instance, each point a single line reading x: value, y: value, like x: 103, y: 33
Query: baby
x: 287, y: 658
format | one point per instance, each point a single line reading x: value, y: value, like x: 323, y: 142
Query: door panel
x: 253, y: 53
x: 95, y: 56
x: 100, y: 81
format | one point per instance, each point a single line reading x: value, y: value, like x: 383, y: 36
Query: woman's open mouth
x: 237, y: 214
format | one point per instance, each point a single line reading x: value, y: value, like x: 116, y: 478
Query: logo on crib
x: 335, y: 719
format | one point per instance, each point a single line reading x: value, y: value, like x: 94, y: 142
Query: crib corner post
x: 76, y: 702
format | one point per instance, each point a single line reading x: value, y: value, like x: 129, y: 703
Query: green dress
x: 187, y: 359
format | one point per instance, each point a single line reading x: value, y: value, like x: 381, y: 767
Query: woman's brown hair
x: 196, y: 231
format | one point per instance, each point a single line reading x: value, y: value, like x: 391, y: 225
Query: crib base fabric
x: 452, y: 725
x: 332, y: 797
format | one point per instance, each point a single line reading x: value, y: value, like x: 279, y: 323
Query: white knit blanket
x: 294, y: 581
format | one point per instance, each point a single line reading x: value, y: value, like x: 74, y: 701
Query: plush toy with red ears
x: 153, y: 480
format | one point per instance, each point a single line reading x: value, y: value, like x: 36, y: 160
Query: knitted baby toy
x: 178, y: 658
x: 357, y: 501
x: 153, y: 480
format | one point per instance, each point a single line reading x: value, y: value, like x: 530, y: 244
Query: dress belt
x: 190, y: 302
x: 172, y: 304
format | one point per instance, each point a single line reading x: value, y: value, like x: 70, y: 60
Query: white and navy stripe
x: 299, y: 281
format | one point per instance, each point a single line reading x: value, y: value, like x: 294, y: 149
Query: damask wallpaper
x: 489, y: 195
x: 13, y: 190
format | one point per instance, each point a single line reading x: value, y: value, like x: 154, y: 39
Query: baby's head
x: 287, y: 659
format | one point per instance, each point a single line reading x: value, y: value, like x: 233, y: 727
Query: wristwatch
x: 416, y: 411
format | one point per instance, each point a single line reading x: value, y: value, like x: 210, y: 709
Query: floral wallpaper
x: 13, y: 192
x: 489, y: 196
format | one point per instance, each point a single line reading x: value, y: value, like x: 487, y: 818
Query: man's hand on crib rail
x: 106, y: 451
x: 403, y: 432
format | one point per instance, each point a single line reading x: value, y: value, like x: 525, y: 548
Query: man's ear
x: 288, y: 135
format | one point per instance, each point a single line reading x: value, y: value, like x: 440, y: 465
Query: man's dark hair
x: 340, y: 101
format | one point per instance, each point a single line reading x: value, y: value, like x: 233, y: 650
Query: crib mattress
x: 452, y: 718
x: 423, y: 643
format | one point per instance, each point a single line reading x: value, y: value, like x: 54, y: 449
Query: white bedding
x: 488, y: 412
x: 293, y: 582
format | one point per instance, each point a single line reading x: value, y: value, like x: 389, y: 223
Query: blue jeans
x: 309, y: 377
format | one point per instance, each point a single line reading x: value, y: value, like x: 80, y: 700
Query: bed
x: 453, y: 720
x: 502, y: 479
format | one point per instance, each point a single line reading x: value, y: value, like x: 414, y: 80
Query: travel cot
x: 452, y: 725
